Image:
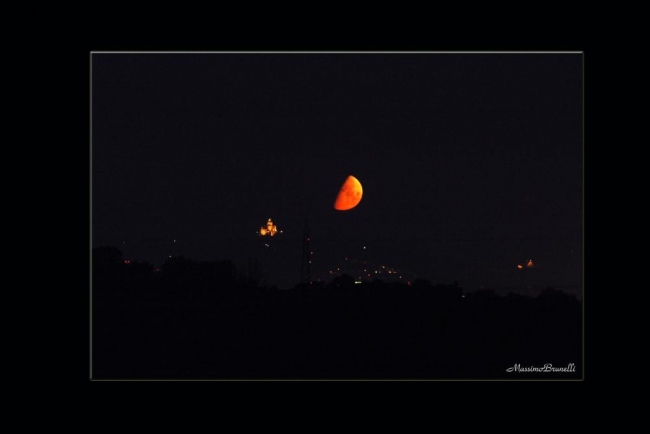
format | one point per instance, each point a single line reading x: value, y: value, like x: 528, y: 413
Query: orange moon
x: 350, y: 194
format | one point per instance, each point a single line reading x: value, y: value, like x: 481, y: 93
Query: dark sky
x: 470, y: 163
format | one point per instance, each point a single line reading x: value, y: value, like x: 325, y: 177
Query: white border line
x: 90, y: 157
x: 337, y: 52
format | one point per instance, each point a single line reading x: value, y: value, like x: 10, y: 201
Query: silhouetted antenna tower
x: 305, y: 262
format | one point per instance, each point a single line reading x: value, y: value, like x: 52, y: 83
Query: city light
x: 270, y: 229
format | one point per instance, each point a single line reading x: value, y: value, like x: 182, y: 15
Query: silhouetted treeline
x: 178, y: 276
x: 193, y: 319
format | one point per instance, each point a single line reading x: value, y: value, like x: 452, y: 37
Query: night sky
x: 470, y: 163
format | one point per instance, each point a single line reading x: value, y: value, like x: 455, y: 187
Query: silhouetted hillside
x: 192, y: 319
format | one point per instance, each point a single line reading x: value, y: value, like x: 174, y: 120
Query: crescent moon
x: 350, y: 194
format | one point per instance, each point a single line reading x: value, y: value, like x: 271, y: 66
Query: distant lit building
x: 270, y: 229
x: 529, y: 264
